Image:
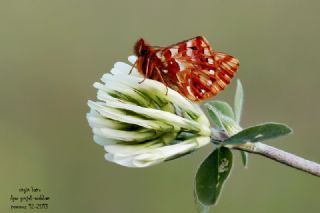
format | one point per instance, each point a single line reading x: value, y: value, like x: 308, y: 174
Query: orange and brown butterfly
x: 190, y: 67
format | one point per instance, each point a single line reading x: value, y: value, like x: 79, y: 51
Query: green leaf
x: 212, y: 174
x: 238, y: 102
x: 215, y: 116
x: 259, y: 133
x: 223, y: 107
x: 245, y: 158
x: 201, y: 208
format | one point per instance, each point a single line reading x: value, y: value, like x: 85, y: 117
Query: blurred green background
x: 52, y: 51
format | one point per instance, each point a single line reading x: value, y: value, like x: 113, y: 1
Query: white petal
x: 160, y: 115
x: 181, y: 148
x: 134, y: 149
x: 123, y: 68
x: 125, y: 136
x: 96, y: 120
x: 132, y: 59
x: 147, y: 159
x: 121, y: 76
x: 118, y: 115
x: 104, y: 141
x: 121, y: 160
x: 142, y: 156
x: 121, y: 90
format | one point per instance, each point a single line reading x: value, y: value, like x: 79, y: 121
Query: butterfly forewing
x: 193, y: 68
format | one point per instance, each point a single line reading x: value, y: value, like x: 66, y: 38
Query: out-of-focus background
x: 52, y: 51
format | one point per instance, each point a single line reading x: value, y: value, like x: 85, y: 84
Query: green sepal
x: 245, y: 158
x: 238, y: 102
x: 215, y: 116
x: 223, y: 107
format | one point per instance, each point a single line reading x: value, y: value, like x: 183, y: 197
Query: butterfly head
x: 141, y: 48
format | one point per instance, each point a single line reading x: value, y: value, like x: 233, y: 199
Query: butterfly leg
x: 147, y: 72
x: 162, y: 80
x: 140, y: 82
x: 133, y: 66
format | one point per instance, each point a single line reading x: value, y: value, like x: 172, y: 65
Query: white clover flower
x: 143, y: 124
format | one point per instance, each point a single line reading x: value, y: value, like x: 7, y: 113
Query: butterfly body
x: 190, y: 67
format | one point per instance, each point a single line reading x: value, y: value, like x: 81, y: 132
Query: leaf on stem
x: 201, y: 208
x: 211, y: 176
x: 258, y: 133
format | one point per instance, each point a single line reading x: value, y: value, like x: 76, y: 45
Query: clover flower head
x: 140, y: 122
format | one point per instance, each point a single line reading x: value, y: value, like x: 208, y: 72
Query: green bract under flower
x: 140, y: 122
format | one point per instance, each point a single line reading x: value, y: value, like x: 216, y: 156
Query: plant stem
x: 281, y: 156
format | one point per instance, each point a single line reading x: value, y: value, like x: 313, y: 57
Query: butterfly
x: 190, y: 67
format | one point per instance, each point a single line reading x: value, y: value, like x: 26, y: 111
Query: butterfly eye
x: 141, y: 48
x: 144, y: 52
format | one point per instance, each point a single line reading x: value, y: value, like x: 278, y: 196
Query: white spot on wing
x: 173, y: 51
x: 189, y: 90
x: 210, y: 61
x: 189, y: 43
x: 211, y: 72
x: 158, y: 54
x: 165, y: 71
x: 181, y: 66
x: 206, y: 51
x: 189, y: 52
x: 209, y: 82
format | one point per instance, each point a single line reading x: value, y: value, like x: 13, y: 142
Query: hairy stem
x: 281, y: 156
